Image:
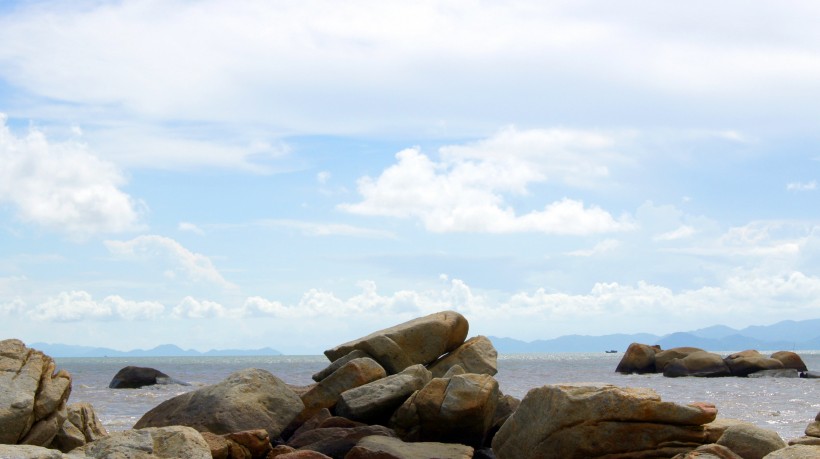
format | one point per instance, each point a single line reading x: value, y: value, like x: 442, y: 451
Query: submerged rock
x: 132, y: 377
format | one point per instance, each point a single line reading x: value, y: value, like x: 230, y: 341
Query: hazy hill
x: 164, y: 350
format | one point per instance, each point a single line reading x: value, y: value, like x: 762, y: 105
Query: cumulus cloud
x: 465, y: 190
x: 191, y: 308
x: 63, y: 186
x: 193, y: 266
x: 80, y: 305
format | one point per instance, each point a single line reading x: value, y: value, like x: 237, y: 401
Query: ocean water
x: 785, y: 405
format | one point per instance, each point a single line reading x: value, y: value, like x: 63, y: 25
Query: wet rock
x: 135, y: 377
x: 378, y: 447
x: 751, y: 442
x: 784, y: 373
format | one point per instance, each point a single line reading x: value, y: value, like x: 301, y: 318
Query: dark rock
x: 638, y: 358
x: 132, y: 377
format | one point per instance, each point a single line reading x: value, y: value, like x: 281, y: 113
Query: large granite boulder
x: 476, y: 355
x: 662, y: 358
x: 459, y: 409
x: 750, y: 441
x: 638, y: 358
x: 380, y: 447
x: 790, y: 360
x: 33, y: 396
x: 699, y: 363
x: 135, y: 377
x: 177, y: 442
x: 246, y: 400
x: 326, y: 393
x: 795, y: 452
x: 750, y: 361
x: 82, y: 426
x: 582, y: 421
x: 338, y: 363
x: 420, y: 340
x: 374, y: 402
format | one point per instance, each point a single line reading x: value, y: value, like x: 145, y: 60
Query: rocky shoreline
x: 420, y: 389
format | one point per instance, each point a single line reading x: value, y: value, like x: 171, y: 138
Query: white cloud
x: 802, y: 186
x: 191, y: 308
x: 80, y: 305
x: 190, y: 227
x: 682, y: 232
x: 194, y: 266
x: 63, y: 186
x: 323, y: 177
x: 465, y: 190
x: 607, y: 245
x: 13, y: 307
x: 133, y: 310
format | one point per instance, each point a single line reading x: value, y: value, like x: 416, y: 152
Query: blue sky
x: 221, y: 174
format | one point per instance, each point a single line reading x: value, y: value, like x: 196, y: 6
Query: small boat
x: 611, y: 351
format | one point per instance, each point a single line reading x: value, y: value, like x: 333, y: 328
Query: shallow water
x: 782, y: 404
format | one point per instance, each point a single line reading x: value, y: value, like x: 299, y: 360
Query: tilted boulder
x: 700, y: 363
x: 375, y: 401
x: 476, y: 355
x: 379, y: 447
x: 177, y: 442
x: 33, y: 396
x: 246, y: 400
x: 662, y: 358
x: 750, y: 361
x: 326, y: 393
x: 750, y: 441
x: 455, y: 410
x: 420, y: 340
x: 795, y: 452
x: 82, y: 426
x: 336, y: 364
x: 582, y: 421
x: 638, y: 358
x: 135, y: 377
x: 791, y: 360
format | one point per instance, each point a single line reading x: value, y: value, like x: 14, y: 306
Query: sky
x: 223, y: 174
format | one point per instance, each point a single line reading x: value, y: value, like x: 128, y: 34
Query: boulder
x: 455, y: 410
x: 303, y: 454
x: 33, y: 399
x: 790, y: 360
x: 814, y: 441
x: 750, y: 361
x: 710, y: 451
x: 750, y: 441
x: 795, y: 452
x: 379, y: 447
x: 82, y: 426
x: 326, y: 393
x: 255, y: 442
x: 375, y: 401
x: 664, y: 357
x: 246, y: 400
x: 30, y: 452
x: 135, y: 377
x: 476, y: 355
x: 420, y: 340
x: 784, y: 373
x: 699, y: 363
x: 327, y: 371
x: 588, y: 420
x: 336, y: 442
x: 638, y: 358
x: 813, y: 429
x: 177, y: 442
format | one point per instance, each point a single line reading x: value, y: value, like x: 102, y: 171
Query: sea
x: 785, y: 405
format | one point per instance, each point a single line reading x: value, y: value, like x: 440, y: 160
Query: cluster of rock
x: 692, y: 361
x: 422, y: 390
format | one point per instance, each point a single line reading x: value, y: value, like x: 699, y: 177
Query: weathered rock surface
x: 33, y: 396
x: 638, y: 358
x: 379, y: 447
x: 375, y: 401
x: 710, y: 451
x: 662, y: 358
x: 246, y: 400
x: 336, y: 364
x: 302, y: 454
x: 807, y: 440
x: 813, y: 429
x: 795, y: 452
x: 455, y: 410
x: 582, y: 421
x: 336, y: 442
x: 750, y: 361
x: 420, y: 340
x: 177, y: 442
x: 135, y: 377
x: 790, y: 359
x: 326, y: 393
x: 750, y: 441
x: 82, y: 426
x: 477, y: 355
x: 699, y: 363
x: 29, y: 452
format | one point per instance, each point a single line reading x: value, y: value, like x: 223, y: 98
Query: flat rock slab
x: 378, y: 447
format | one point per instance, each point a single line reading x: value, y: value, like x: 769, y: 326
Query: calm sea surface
x: 785, y: 405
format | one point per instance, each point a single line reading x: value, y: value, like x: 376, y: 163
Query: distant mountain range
x: 786, y: 335
x: 165, y: 350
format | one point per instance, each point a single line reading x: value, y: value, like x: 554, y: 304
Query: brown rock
x: 814, y: 441
x: 790, y: 360
x: 377, y: 447
x: 813, y: 429
x: 751, y: 442
x: 795, y: 452
x: 219, y: 445
x: 711, y: 451
x: 420, y: 340
x: 82, y: 426
x: 699, y: 363
x: 326, y: 393
x: 304, y: 454
x: 336, y: 442
x: 279, y: 450
x: 375, y: 401
x: 177, y: 442
x: 638, y: 358
x: 591, y: 420
x: 256, y: 442
x: 476, y: 355
x: 355, y: 354
x: 664, y: 357
x: 746, y: 362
